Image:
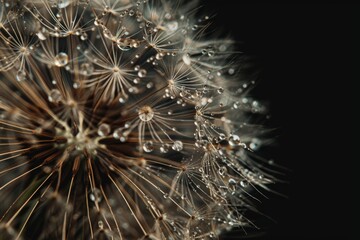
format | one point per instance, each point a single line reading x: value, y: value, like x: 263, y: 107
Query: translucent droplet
x: 234, y: 140
x: 177, y: 146
x: 104, y: 130
x: 211, y: 53
x: 61, y: 59
x: 21, y: 75
x: 118, y: 133
x: 76, y: 85
x: 222, y: 136
x: 55, y: 96
x: 164, y: 148
x: 172, y: 26
x: 255, y: 144
x: 231, y: 71
x: 101, y: 224
x: 83, y: 36
x: 86, y: 68
x: 146, y: 113
x: 142, y: 73
x: 95, y: 195
x: 63, y: 3
x: 232, y: 182
x: 244, y: 183
x: 148, y: 146
x: 220, y: 90
x: 186, y: 59
x: 236, y: 105
x: 41, y: 36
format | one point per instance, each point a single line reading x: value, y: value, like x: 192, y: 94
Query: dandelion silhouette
x: 121, y: 119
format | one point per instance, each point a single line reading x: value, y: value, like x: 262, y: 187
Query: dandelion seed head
x: 120, y: 119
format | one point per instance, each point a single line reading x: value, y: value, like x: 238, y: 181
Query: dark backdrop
x: 306, y: 55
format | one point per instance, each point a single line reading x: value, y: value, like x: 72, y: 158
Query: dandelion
x: 120, y: 119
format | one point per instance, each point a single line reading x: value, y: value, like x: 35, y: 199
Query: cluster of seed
x: 122, y: 119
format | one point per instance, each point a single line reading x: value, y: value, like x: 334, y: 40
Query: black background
x: 305, y: 53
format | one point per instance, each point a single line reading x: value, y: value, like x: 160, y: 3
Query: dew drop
x: 231, y: 71
x: 118, y: 133
x: 21, y: 76
x: 177, y: 146
x: 101, y: 224
x: 255, y: 144
x: 41, y: 36
x: 55, y: 96
x: 186, y: 59
x: 63, y: 3
x: 146, y: 113
x: 211, y: 53
x: 220, y: 90
x: 234, y: 140
x: 83, y: 36
x: 148, y: 146
x: 104, y: 130
x: 172, y: 26
x: 222, y: 136
x: 95, y: 195
x: 142, y: 73
x: 164, y: 148
x: 236, y: 105
x: 61, y: 59
x: 244, y: 183
x: 76, y: 85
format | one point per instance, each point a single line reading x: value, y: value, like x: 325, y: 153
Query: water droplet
x: 166, y: 195
x: 76, y: 85
x: 148, y: 146
x: 164, y: 148
x: 118, y: 133
x: 172, y: 26
x: 83, y: 36
x: 177, y: 146
x: 146, y: 113
x: 222, y: 136
x: 231, y: 71
x: 101, y: 224
x: 86, y: 69
x: 232, y: 182
x: 236, y: 105
x: 234, y: 140
x: 244, y: 183
x: 41, y: 36
x: 55, y: 96
x: 61, y: 59
x: 95, y: 195
x: 186, y: 59
x: 104, y: 130
x: 211, y: 53
x: 142, y: 73
x: 220, y: 90
x: 63, y: 3
x: 21, y: 76
x: 255, y: 144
